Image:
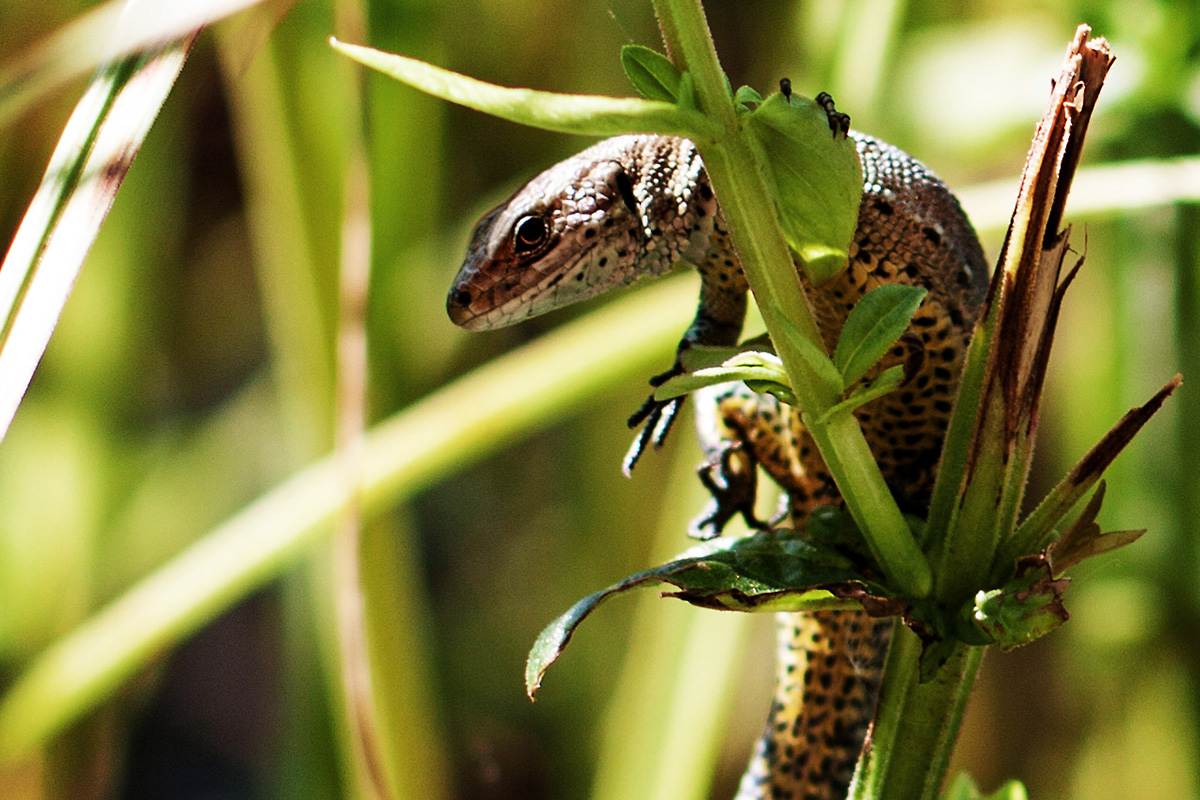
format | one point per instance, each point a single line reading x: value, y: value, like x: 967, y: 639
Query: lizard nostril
x: 458, y: 306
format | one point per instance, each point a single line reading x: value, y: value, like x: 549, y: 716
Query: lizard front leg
x: 718, y: 323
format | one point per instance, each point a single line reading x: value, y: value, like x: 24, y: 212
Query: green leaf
x: 762, y: 369
x: 887, y: 382
x: 964, y: 788
x: 712, y: 376
x: 874, y: 325
x: 651, y: 73
x: 566, y: 113
x: 747, y: 99
x: 814, y: 176
x: 774, y: 571
x: 706, y: 366
x: 814, y: 357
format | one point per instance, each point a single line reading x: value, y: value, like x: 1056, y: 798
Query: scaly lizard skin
x: 634, y: 206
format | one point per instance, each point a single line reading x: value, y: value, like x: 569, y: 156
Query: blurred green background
x: 192, y: 371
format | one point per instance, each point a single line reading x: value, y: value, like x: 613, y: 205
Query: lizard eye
x: 530, y: 234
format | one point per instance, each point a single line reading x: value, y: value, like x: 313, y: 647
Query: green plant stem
x: 918, y: 721
x: 871, y: 504
x: 771, y: 272
x: 915, y: 722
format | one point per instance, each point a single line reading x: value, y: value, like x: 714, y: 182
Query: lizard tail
x: 829, y: 663
x: 829, y: 667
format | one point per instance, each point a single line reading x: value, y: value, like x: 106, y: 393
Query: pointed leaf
x: 651, y: 73
x: 887, y: 382
x: 1091, y: 542
x: 874, y: 325
x: 91, y: 160
x: 815, y: 177
x: 773, y: 571
x: 1033, y: 532
x: 590, y: 115
x: 1084, y: 539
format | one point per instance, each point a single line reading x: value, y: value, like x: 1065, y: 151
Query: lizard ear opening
x: 625, y: 188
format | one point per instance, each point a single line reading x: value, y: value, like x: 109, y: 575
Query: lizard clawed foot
x: 733, y: 492
x: 658, y: 416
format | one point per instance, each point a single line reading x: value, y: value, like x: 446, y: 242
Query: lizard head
x: 576, y: 230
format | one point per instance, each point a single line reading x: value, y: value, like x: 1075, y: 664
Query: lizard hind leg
x: 729, y: 470
x: 769, y: 434
x: 740, y: 430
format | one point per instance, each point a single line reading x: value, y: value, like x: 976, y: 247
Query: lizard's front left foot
x: 657, y: 415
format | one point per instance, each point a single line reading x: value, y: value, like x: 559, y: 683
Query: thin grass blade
x: 107, y: 32
x: 93, y: 156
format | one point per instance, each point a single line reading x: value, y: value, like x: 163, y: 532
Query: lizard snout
x: 458, y: 307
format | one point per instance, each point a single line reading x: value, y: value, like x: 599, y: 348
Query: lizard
x: 634, y: 206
